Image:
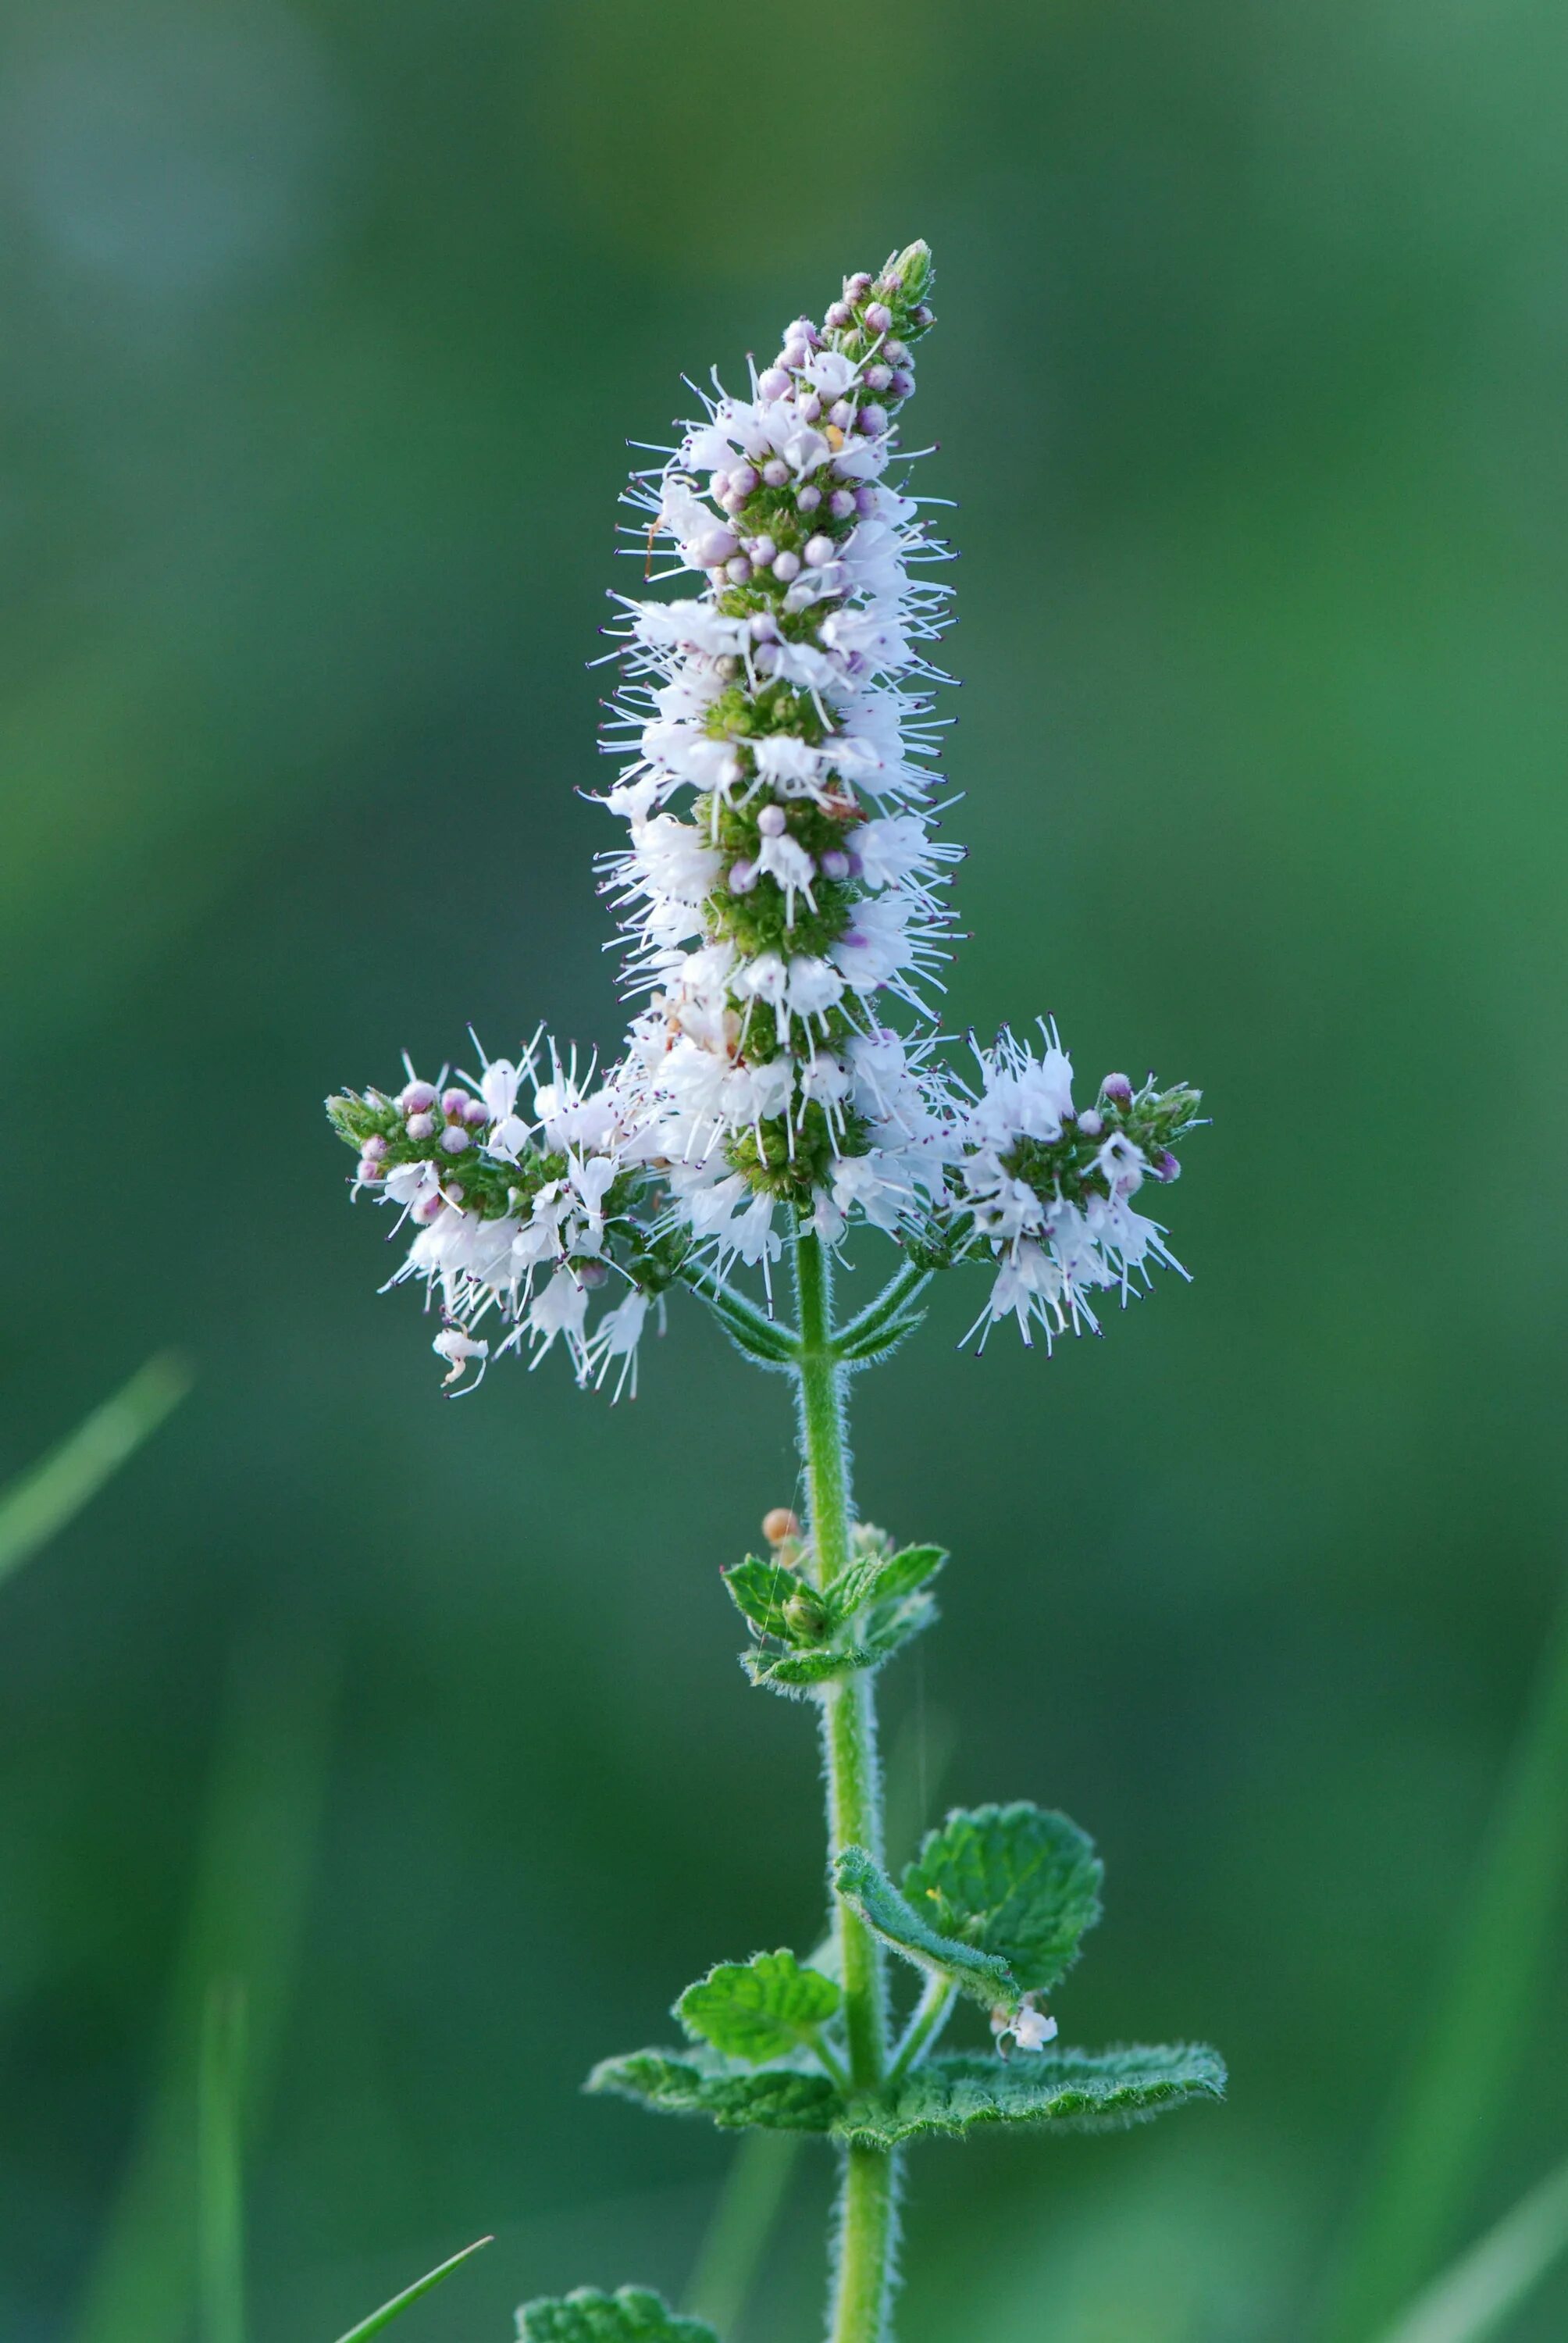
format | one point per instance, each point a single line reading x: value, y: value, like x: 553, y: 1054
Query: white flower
x: 459, y: 1350
x: 617, y: 1336
x: 560, y: 1309
x: 1030, y: 2028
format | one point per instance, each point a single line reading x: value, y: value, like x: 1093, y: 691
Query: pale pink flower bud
x: 714, y: 547
x: 454, y: 1139
x: 819, y: 550
x: 742, y: 480
x: 841, y: 503
x: 838, y: 314
x: 878, y: 317
x: 772, y: 383
x: 415, y: 1097
x: 762, y: 551
x: 776, y: 472
x: 808, y: 499
x: 420, y: 1126
x: 787, y: 566
x: 737, y: 570
x: 1117, y: 1089
x: 770, y: 821
x: 879, y: 376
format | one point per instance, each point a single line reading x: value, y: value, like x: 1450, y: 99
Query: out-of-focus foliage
x: 324, y: 328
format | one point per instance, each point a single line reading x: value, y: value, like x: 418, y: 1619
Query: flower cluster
x: 782, y: 895
x: 780, y: 891
x: 1049, y: 1189
x: 525, y: 1215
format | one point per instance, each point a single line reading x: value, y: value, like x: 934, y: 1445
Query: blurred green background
x: 325, y: 327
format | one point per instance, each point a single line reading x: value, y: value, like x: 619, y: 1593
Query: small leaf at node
x: 881, y: 1578
x: 703, y: 2082
x: 866, y: 1886
x: 760, y: 1592
x: 630, y: 2315
x: 861, y: 1349
x: 793, y: 1672
x: 1016, y: 1881
x: 759, y: 2008
x: 1074, y: 2090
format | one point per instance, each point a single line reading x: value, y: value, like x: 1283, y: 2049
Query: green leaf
x: 410, y: 2294
x: 1073, y: 2090
x: 705, y: 2083
x: 1471, y: 2300
x: 893, y: 1625
x: 881, y: 1578
x: 795, y: 1672
x: 760, y: 1592
x: 867, y: 1889
x: 39, y: 1502
x: 631, y: 2314
x: 760, y: 2008
x: 1015, y: 1881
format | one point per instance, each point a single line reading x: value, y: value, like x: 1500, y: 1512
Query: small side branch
x: 929, y: 2016
x: 898, y: 1296
x: 760, y: 1337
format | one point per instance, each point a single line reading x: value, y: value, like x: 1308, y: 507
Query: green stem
x: 867, y: 2232
x: 866, y: 2209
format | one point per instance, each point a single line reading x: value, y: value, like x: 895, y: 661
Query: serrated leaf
x: 631, y: 2314
x: 881, y: 1578
x: 1017, y: 1881
x: 865, y: 1886
x: 703, y: 2082
x: 1074, y: 2090
x: 760, y: 1591
x: 760, y: 2008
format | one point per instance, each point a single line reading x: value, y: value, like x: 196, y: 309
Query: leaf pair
x: 877, y: 1602
x: 1070, y: 2090
x: 996, y: 1901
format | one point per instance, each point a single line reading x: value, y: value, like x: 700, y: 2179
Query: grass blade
x: 744, y: 2219
x: 220, y: 2130
x: 410, y: 2294
x: 1473, y: 2299
x: 244, y: 1918
x: 37, y: 1504
x: 1447, y: 2112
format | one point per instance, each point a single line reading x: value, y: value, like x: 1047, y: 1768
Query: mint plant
x: 784, y: 898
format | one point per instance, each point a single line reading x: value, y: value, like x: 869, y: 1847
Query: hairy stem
x: 866, y: 2207
x: 867, y: 2233
x: 931, y: 2014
